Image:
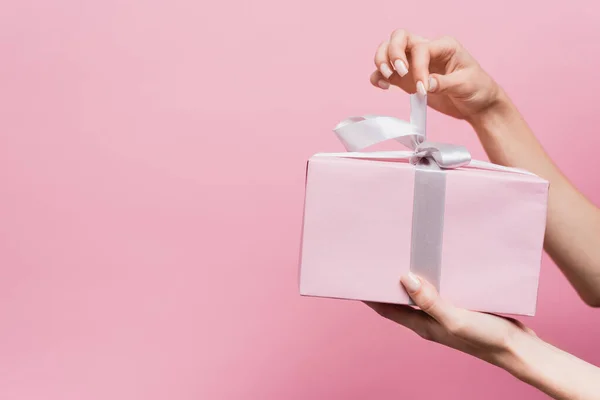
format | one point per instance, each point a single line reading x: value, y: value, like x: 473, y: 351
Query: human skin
x: 456, y: 85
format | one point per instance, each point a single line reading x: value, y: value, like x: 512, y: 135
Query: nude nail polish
x: 401, y: 68
x: 411, y: 282
x: 383, y: 84
x: 421, y: 88
x: 432, y: 84
x: 386, y: 70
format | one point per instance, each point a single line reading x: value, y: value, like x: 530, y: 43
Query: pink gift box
x: 357, y: 237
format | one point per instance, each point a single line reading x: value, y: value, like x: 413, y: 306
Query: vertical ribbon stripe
x: 356, y: 133
x: 428, y: 221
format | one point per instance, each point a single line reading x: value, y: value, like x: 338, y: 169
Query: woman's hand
x: 485, y: 336
x: 500, y: 341
x: 456, y: 84
x: 459, y: 87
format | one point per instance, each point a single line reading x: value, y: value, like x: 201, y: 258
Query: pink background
x: 152, y: 161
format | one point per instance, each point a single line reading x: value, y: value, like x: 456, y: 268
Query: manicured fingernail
x: 421, y: 88
x: 411, y: 282
x: 386, y: 70
x: 432, y: 84
x: 385, y: 85
x: 400, y: 67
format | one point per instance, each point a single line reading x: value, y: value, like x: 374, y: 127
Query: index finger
x: 440, y: 51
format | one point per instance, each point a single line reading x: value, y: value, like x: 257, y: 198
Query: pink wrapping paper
x: 356, y: 239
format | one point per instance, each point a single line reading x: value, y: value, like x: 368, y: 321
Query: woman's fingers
x: 428, y: 300
x: 382, y: 62
x: 392, y: 55
x: 424, y: 54
x: 438, y: 67
x: 378, y: 80
x: 415, y: 320
x: 406, y: 52
x: 453, y: 83
x: 420, y: 64
x: 397, y: 51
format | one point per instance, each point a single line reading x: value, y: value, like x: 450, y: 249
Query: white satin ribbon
x: 359, y: 133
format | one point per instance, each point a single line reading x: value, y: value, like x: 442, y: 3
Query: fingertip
x: 401, y: 67
x: 421, y: 88
x: 383, y: 84
x: 378, y: 80
x: 385, y: 70
x: 420, y: 67
x: 433, y: 84
x: 382, y: 61
x: 411, y: 283
x: 375, y: 77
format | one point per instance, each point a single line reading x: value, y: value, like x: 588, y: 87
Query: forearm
x: 573, y: 224
x: 552, y: 370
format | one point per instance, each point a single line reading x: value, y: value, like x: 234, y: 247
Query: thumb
x: 428, y: 300
x: 452, y: 84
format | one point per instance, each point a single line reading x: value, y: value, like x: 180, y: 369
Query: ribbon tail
x: 358, y: 133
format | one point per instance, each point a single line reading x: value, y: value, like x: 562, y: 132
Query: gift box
x: 473, y: 229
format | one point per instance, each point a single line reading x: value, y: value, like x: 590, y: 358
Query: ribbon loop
x: 358, y: 133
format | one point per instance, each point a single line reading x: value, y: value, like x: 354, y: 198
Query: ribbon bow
x: 358, y: 133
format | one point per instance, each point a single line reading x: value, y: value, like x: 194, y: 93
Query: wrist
x: 518, y: 354
x: 498, y: 111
